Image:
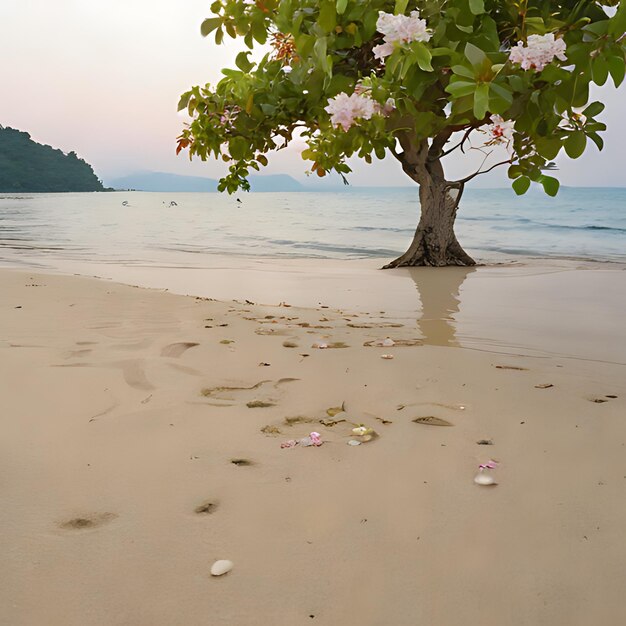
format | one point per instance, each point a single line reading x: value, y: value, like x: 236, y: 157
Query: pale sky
x: 103, y: 78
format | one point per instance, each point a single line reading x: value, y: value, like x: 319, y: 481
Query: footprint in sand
x: 92, y: 520
x: 176, y: 350
x: 262, y: 394
x: 72, y: 354
x: 134, y: 374
x: 185, y: 369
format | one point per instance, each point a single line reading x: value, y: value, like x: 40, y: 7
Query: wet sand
x: 131, y: 460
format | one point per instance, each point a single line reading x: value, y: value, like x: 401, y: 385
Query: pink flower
x: 345, y: 109
x: 501, y: 131
x: 316, y: 439
x: 538, y: 52
x: 399, y: 29
x: 383, y: 50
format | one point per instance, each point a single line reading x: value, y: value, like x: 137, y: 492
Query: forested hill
x: 27, y: 166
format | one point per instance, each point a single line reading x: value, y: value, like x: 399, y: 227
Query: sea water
x: 179, y: 228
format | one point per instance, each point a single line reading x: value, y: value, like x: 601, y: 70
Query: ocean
x: 177, y: 229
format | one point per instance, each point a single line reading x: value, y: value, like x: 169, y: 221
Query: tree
x: 419, y: 80
x: 27, y: 166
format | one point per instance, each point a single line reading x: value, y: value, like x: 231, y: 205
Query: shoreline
x: 128, y: 416
x: 540, y: 307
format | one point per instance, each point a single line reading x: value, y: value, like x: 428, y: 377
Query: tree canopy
x: 27, y: 166
x: 363, y: 78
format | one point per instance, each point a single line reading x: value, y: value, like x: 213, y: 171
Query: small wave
x: 322, y: 247
x: 390, y: 229
x: 582, y: 227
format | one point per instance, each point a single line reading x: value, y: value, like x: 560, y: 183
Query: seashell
x: 320, y: 345
x: 388, y: 342
x: 485, y: 479
x: 221, y: 567
x: 386, y: 356
x: 362, y: 430
x: 354, y: 442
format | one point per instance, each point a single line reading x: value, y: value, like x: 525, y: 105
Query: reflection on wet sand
x: 438, y: 290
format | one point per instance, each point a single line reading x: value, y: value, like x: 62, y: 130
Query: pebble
x: 221, y: 567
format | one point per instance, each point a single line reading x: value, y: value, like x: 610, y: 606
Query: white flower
x: 538, y: 52
x: 383, y: 50
x: 500, y: 131
x: 399, y: 29
x: 345, y: 109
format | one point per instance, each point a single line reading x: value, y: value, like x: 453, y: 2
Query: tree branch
x: 460, y: 144
x: 471, y: 176
x: 439, y: 141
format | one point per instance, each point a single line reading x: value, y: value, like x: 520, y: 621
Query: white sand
x: 109, y: 446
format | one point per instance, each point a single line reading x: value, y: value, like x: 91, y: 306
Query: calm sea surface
x: 588, y: 223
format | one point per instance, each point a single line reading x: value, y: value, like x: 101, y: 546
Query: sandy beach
x: 142, y: 431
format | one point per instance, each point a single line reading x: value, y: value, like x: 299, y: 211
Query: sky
x: 103, y: 78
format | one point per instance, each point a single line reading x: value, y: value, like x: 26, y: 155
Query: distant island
x: 164, y: 182
x: 30, y: 167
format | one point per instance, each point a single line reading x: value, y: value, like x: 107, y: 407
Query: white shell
x: 320, y: 344
x: 387, y: 343
x: 386, y: 356
x: 354, y: 442
x: 482, y: 478
x: 221, y: 567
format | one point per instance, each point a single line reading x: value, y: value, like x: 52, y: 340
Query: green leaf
x: 596, y: 29
x: 422, y: 56
x: 237, y: 147
x: 328, y: 16
x: 461, y: 70
x: 535, y: 26
x: 481, y: 101
x: 477, y: 7
x: 617, y: 24
x: 596, y: 139
x: 242, y: 62
x: 550, y: 185
x: 521, y: 185
x: 400, y: 6
x: 341, y: 6
x: 184, y: 101
x: 475, y: 55
x: 548, y: 147
x: 502, y: 92
x: 209, y: 25
x: 617, y: 69
x: 259, y: 31
x: 599, y: 70
x: 461, y: 88
x: 595, y: 108
x: 319, y: 48
x: 575, y: 144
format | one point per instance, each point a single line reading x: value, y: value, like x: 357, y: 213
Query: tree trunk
x: 434, y: 243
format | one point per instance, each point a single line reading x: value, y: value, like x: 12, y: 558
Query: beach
x: 142, y: 434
